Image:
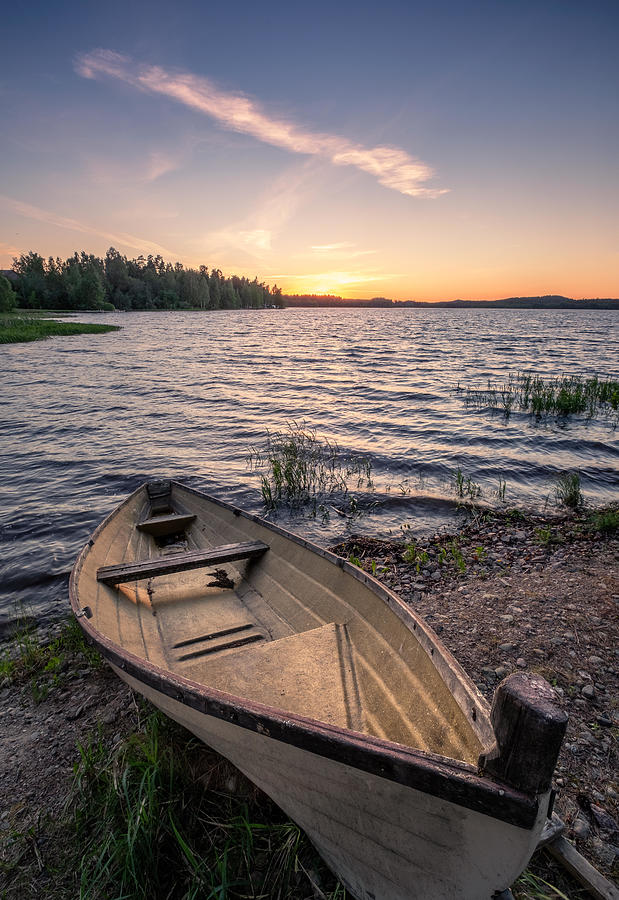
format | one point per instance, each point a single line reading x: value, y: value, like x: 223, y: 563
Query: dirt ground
x: 523, y: 594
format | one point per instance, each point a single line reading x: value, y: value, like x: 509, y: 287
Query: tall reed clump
x: 298, y: 468
x: 162, y: 816
x: 561, y: 396
x: 568, y: 491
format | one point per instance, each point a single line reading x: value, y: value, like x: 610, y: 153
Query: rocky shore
x: 506, y: 593
x: 540, y: 594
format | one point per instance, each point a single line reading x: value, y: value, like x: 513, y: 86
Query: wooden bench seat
x: 179, y: 562
x: 159, y: 526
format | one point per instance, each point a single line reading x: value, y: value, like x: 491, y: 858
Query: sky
x: 409, y: 150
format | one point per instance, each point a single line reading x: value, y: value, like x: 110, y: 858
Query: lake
x: 86, y: 419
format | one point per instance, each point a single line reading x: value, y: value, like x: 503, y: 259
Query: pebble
x: 603, y: 820
x: 521, y: 662
x: 507, y: 619
x: 588, y: 691
x: 581, y: 829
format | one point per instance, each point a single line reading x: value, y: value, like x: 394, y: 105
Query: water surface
x: 86, y: 419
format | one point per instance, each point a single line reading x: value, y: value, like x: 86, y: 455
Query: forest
x: 85, y: 281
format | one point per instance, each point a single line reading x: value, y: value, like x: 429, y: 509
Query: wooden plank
x: 569, y: 857
x: 166, y: 524
x: 529, y: 726
x: 180, y: 562
x: 553, y: 828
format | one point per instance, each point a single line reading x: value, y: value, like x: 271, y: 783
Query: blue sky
x: 409, y: 150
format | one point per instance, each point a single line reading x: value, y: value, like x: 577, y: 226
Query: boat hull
x: 383, y: 840
x: 326, y: 691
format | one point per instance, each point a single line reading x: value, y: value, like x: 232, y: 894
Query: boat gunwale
x: 449, y: 779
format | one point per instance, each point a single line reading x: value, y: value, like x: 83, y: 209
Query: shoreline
x: 508, y: 592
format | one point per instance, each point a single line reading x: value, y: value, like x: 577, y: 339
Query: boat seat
x: 162, y: 525
x: 311, y: 673
x: 180, y: 562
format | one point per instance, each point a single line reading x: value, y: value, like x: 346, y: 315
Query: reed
x: 567, y: 490
x: 299, y: 469
x: 464, y: 487
x: 561, y: 396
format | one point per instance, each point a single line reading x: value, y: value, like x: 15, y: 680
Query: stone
x: 603, y: 820
x: 581, y: 829
x: 588, y: 691
x: 521, y: 662
x: 507, y: 619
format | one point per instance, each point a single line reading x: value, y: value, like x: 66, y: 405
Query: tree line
x: 85, y: 281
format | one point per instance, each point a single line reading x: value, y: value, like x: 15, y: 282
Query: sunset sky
x: 409, y: 150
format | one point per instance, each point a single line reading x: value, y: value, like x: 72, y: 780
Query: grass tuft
x: 302, y: 470
x: 567, y: 490
x: 562, y: 396
x: 605, y: 521
x: 162, y: 816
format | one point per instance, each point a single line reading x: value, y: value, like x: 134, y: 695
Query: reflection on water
x: 86, y: 419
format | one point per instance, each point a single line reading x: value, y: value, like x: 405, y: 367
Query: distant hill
x: 549, y: 301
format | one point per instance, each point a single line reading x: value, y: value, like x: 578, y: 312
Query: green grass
x: 299, y: 469
x: 605, y: 521
x: 156, y: 814
x: 561, y: 396
x: 567, y: 490
x: 43, y: 663
x: 17, y: 329
x: 464, y: 487
x: 160, y: 815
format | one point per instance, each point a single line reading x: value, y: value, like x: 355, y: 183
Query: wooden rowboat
x: 326, y: 690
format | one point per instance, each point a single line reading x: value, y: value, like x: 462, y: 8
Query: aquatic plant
x: 15, y: 330
x: 464, y: 486
x: 567, y: 490
x: 562, y: 396
x: 302, y: 469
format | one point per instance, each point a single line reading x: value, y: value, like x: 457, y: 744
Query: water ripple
x: 86, y: 419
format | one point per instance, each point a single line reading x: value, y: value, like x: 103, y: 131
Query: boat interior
x: 196, y: 588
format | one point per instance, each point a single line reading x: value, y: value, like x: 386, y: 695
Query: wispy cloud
x: 344, y: 250
x: 256, y: 233
x: 391, y: 166
x: 120, y: 238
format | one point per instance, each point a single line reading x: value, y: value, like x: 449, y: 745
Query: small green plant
x: 501, y: 489
x: 410, y: 553
x: 606, y: 521
x: 457, y: 556
x: 355, y: 560
x: 543, y: 535
x: 465, y: 487
x: 480, y: 554
x: 567, y: 490
x: 442, y: 556
x: 40, y: 661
